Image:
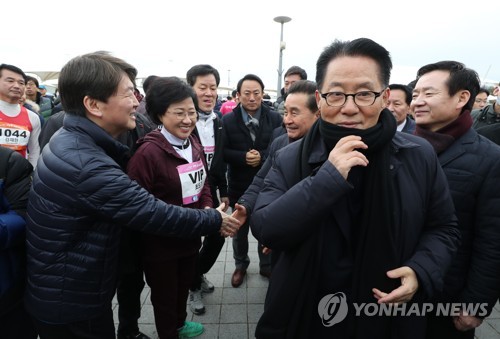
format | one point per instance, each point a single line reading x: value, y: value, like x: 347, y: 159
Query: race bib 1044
x: 14, y: 136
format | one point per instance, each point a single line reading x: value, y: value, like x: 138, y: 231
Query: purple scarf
x: 445, y: 136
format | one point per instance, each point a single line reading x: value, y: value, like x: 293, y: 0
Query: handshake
x: 230, y: 223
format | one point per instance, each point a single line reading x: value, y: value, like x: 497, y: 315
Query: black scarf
x: 376, y: 251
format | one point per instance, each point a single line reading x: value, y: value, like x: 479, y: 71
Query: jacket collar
x: 241, y: 124
x: 157, y: 138
x: 264, y: 111
x: 458, y: 147
x: 103, y: 139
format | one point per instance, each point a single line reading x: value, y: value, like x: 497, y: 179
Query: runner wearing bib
x: 19, y: 127
x: 170, y: 164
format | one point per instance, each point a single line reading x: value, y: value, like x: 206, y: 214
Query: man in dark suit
x: 399, y: 105
x: 247, y: 134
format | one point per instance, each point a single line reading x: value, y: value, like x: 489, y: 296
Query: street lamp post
x: 282, y: 20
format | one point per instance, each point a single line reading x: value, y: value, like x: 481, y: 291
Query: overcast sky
x: 239, y: 37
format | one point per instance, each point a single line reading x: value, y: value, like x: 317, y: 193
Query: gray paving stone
x: 486, y: 331
x: 147, y: 315
x: 213, y: 298
x: 211, y: 331
x: 256, y: 280
x: 495, y: 313
x: 232, y: 331
x: 495, y: 325
x: 254, y: 312
x: 251, y: 330
x: 229, y: 256
x: 254, y: 257
x: 233, y: 314
x: 149, y: 330
x: 231, y: 295
x: 212, y: 315
x: 229, y: 267
x: 145, y: 295
x: 256, y: 295
x: 217, y: 268
x: 147, y: 298
x: 222, y: 256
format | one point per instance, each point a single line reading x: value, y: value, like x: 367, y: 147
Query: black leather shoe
x: 265, y: 273
x: 136, y: 335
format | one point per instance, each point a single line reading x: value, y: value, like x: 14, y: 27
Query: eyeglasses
x: 182, y: 115
x: 478, y: 101
x: 361, y: 99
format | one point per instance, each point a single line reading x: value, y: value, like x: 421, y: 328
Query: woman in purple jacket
x: 170, y: 164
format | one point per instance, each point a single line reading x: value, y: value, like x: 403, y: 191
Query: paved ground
x: 234, y: 312
x: 230, y: 312
x: 490, y: 329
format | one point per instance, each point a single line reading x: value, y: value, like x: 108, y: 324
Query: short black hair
x: 412, y: 84
x: 35, y: 80
x: 483, y: 90
x: 296, y: 70
x: 252, y: 77
x: 14, y: 69
x: 307, y: 87
x: 147, y: 82
x: 165, y: 91
x: 461, y: 78
x: 360, y: 47
x: 96, y: 75
x: 200, y: 70
x: 406, y: 89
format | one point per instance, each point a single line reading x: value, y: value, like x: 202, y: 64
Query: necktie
x: 253, y: 126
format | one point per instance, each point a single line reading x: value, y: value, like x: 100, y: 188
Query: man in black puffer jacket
x: 15, y: 182
x: 130, y: 280
x: 81, y: 197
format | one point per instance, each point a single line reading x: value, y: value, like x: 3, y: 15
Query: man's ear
x: 463, y: 98
x: 92, y: 106
x: 318, y: 99
x: 385, y: 97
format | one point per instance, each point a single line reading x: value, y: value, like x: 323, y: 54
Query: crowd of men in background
x: 324, y: 164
